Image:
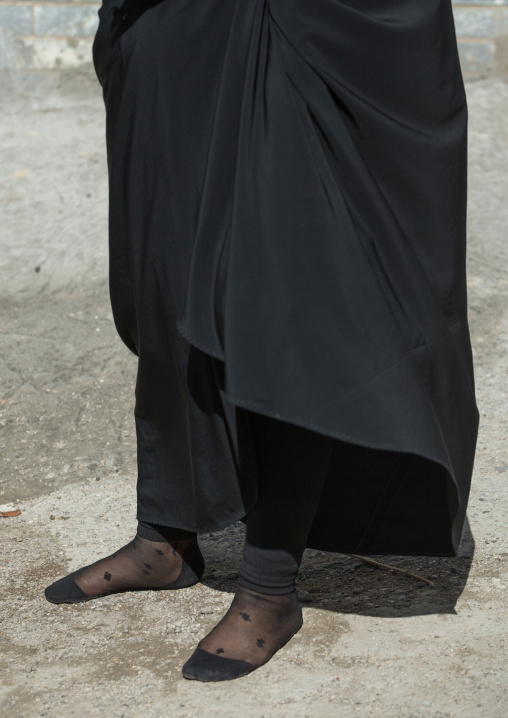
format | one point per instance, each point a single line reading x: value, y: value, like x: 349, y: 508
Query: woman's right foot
x: 140, y: 565
x: 256, y: 626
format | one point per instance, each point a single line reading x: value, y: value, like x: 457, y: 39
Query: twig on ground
x: 387, y: 567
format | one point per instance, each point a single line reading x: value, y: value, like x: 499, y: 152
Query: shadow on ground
x: 338, y: 583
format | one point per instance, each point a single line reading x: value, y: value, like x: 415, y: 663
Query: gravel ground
x: 374, y: 643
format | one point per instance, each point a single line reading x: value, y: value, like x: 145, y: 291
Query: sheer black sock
x: 255, y: 627
x: 142, y: 564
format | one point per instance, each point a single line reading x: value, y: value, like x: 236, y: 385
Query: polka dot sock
x: 140, y: 565
x: 255, y: 627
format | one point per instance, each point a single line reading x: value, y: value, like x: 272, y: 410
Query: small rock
x: 304, y: 597
x: 52, y: 517
x: 37, y: 268
x: 28, y: 669
x: 426, y: 703
x: 206, y: 610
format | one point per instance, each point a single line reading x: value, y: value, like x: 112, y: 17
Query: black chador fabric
x: 287, y: 235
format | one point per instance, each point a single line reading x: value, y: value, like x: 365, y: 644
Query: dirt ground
x: 374, y: 643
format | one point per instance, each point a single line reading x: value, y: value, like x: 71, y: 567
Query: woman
x: 287, y: 260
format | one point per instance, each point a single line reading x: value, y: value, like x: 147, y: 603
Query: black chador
x: 287, y: 236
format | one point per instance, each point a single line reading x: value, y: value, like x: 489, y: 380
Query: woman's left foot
x: 141, y: 565
x: 255, y: 627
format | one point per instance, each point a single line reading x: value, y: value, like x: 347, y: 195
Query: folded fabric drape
x: 287, y: 235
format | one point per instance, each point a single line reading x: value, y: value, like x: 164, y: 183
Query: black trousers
x: 292, y: 465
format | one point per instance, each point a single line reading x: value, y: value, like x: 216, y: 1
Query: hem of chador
x: 217, y: 527
x: 341, y: 436
x: 315, y: 545
x: 322, y: 545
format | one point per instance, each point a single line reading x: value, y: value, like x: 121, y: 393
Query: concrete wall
x: 56, y: 34
x: 47, y: 34
x: 482, y: 31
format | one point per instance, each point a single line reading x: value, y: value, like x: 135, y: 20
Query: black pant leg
x: 156, y: 532
x: 292, y: 466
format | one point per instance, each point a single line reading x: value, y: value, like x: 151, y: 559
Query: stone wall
x: 56, y: 34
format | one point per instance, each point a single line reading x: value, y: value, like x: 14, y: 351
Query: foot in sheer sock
x: 254, y: 628
x: 139, y: 564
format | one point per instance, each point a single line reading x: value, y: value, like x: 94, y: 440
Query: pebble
x: 28, y: 669
x: 206, y: 610
x: 304, y: 597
